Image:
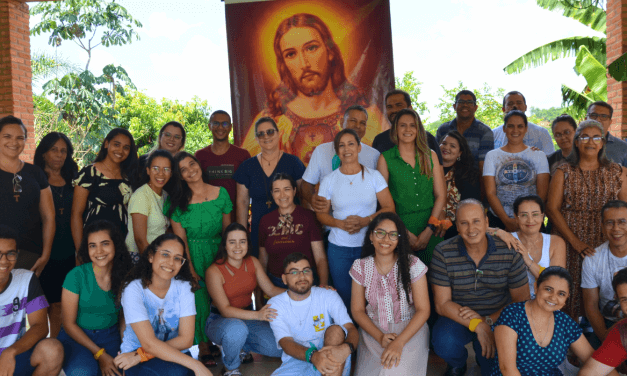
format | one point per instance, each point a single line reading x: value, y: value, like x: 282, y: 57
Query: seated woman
x: 233, y: 324
x: 146, y: 218
x: 353, y: 191
x: 539, y: 251
x: 533, y: 337
x: 159, y: 311
x: 390, y: 302
x: 513, y: 170
x: 463, y: 179
x: 90, y: 334
x: 291, y: 227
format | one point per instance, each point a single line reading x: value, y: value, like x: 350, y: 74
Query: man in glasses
x: 536, y: 136
x: 312, y: 325
x: 396, y: 100
x: 23, y: 352
x: 479, y: 136
x: 324, y: 160
x: 221, y: 159
x: 615, y: 148
x: 598, y: 270
x: 474, y: 276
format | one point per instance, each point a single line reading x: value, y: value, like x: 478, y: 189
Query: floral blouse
x: 108, y: 198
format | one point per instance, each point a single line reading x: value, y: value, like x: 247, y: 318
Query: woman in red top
x: 231, y: 280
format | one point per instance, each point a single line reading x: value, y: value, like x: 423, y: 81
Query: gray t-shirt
x: 515, y: 174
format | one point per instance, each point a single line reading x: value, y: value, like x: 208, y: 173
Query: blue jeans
x: 449, y: 340
x: 22, y: 363
x: 235, y: 335
x: 158, y: 367
x: 340, y: 262
x: 78, y: 360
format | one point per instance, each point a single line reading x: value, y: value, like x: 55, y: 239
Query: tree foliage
x: 489, y: 100
x: 411, y: 85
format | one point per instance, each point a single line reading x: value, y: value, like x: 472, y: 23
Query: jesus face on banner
x: 314, y: 92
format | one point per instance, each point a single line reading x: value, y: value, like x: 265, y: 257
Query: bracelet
x: 144, y: 356
x: 495, y: 231
x: 446, y: 224
x: 541, y: 269
x: 473, y: 324
x: 309, y: 353
x: 99, y: 353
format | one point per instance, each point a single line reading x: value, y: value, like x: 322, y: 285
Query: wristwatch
x: 489, y: 321
x: 432, y: 227
x: 351, y: 347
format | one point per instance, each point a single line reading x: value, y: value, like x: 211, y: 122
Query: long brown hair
x: 422, y: 148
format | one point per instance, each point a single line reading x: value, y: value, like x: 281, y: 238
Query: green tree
x: 490, y: 104
x: 411, y: 85
x: 144, y: 116
x: 86, y: 102
x: 547, y: 114
x: 590, y: 52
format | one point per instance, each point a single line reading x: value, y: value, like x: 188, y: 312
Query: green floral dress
x: 203, y: 225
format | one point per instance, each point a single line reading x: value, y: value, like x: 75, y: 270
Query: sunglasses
x: 270, y: 132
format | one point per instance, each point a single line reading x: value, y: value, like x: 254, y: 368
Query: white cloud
x: 160, y: 26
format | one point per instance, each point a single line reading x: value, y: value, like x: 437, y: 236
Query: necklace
x: 265, y: 186
x: 300, y: 322
x: 350, y: 181
x: 17, y: 179
x: 271, y: 160
x: 534, y: 327
x: 58, y: 192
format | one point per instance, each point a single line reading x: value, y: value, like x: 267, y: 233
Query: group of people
x: 365, y: 258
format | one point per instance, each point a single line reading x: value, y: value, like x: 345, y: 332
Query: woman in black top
x: 25, y: 198
x: 54, y: 156
x: 103, y: 189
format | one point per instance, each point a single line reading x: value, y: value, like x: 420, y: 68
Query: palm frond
x: 588, y: 14
x: 594, y: 72
x: 557, y: 50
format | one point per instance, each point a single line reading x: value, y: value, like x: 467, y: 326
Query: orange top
x: 240, y: 285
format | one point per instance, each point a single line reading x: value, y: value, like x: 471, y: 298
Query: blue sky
x: 183, y: 53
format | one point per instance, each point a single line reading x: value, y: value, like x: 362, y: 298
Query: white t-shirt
x: 358, y: 198
x: 321, y: 162
x: 145, y: 201
x: 141, y: 304
x: 307, y: 320
x: 598, y: 271
x: 515, y: 174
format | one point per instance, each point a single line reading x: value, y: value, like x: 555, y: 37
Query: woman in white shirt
x: 353, y: 191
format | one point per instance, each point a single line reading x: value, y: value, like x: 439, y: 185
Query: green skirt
x: 416, y: 222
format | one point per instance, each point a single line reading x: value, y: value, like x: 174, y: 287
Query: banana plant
x: 596, y: 82
x: 618, y: 68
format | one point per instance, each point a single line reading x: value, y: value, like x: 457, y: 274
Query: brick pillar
x: 616, y: 46
x: 16, y: 96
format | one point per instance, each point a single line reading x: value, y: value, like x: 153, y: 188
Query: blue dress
x: 531, y: 359
x: 259, y: 185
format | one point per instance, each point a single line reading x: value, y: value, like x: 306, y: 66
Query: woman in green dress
x: 198, y: 215
x: 416, y: 181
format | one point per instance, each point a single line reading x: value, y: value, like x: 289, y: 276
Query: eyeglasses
x: 157, y: 169
x: 595, y: 139
x: 595, y: 116
x: 177, y: 259
x: 17, y: 179
x: 295, y: 273
x: 565, y: 134
x: 177, y: 137
x: 526, y: 216
x: 268, y: 133
x: 392, y: 235
x: 224, y: 124
x: 622, y: 223
x: 462, y: 103
x: 11, y: 255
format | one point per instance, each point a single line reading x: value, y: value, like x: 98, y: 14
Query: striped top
x: 483, y: 288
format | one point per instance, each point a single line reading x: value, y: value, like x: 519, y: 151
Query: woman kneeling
x: 158, y: 303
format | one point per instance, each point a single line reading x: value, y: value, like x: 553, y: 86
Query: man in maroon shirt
x: 221, y: 159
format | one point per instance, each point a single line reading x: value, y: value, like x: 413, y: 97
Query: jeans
x: 158, y: 367
x: 449, y: 340
x: 235, y: 335
x: 22, y: 363
x: 78, y: 360
x: 340, y: 262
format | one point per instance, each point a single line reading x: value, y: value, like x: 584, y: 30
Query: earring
x: 458, y: 158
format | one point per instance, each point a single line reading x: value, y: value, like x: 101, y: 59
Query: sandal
x: 246, y: 357
x: 233, y: 372
x: 208, y: 360
x: 215, y: 351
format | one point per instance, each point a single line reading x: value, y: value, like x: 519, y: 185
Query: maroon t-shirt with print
x: 221, y: 168
x: 280, y: 239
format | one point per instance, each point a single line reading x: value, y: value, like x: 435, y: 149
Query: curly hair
x: 222, y: 254
x: 183, y: 196
x: 403, y: 250
x: 122, y: 262
x: 69, y: 170
x: 143, y: 269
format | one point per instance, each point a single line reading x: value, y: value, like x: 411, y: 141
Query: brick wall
x: 16, y: 96
x: 616, y: 46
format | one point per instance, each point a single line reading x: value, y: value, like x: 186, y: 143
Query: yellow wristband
x: 473, y: 324
x: 541, y: 269
x: 99, y: 353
